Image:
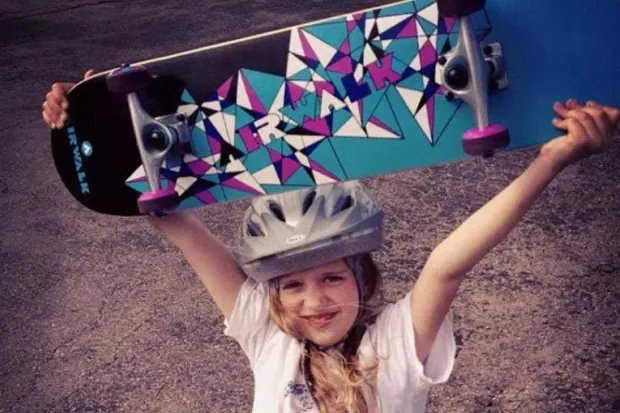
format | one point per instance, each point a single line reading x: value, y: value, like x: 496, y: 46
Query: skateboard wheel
x: 485, y: 141
x: 159, y: 201
x: 128, y: 79
x: 459, y: 8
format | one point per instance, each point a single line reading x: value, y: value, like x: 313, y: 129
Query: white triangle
x: 300, y: 142
x: 320, y: 178
x: 375, y: 131
x: 316, y: 77
x: 295, y: 45
x: 213, y: 105
x: 304, y: 84
x: 330, y: 103
x: 386, y: 43
x: 369, y: 25
x: 278, y: 102
x: 354, y: 108
x: 235, y: 165
x: 248, y: 179
x: 359, y: 73
x: 430, y: 13
x: 386, y: 23
x: 188, y: 157
x: 212, y: 159
x: 422, y: 118
x: 267, y: 176
x: 411, y: 98
x: 224, y: 123
x: 324, y: 51
x: 184, y: 182
x: 303, y: 159
x: 137, y: 174
x: 212, y: 171
x: 294, y: 65
x: 351, y: 128
x: 187, y: 110
x: 416, y: 63
x: 369, y: 55
x: 243, y: 99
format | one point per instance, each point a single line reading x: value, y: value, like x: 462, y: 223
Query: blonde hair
x: 338, y: 381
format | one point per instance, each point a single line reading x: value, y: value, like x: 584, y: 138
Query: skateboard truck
x: 156, y: 137
x: 468, y: 74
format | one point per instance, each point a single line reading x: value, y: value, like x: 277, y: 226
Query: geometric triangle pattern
x: 352, y: 78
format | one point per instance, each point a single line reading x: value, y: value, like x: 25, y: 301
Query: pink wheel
x: 485, y: 141
x: 159, y: 201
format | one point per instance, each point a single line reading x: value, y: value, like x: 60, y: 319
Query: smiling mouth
x: 321, y: 320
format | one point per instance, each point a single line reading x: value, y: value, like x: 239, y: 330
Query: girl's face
x: 323, y: 301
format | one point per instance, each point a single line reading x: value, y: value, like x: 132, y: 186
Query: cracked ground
x: 99, y: 314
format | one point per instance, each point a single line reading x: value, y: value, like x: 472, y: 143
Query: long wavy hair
x: 338, y: 381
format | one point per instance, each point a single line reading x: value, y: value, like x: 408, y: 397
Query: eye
x: 291, y: 285
x: 332, y: 278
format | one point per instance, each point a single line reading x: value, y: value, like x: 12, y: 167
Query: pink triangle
x: 237, y: 184
x: 351, y: 25
x: 379, y: 123
x: 223, y: 90
x: 428, y: 55
x: 308, y: 51
x: 295, y: 92
x: 198, y: 167
x: 275, y: 156
x: 206, y: 197
x: 255, y: 102
x: 215, y: 144
x: 289, y: 167
x: 318, y: 125
x: 450, y: 22
x: 317, y: 167
x: 346, y: 47
x: 410, y: 30
x: 251, y: 142
x: 344, y: 66
x: 321, y: 86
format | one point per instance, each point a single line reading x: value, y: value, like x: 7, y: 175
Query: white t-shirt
x: 403, y: 382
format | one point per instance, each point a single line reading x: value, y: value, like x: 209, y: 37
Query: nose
x: 315, y: 298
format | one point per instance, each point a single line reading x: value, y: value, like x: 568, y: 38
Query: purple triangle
x: 409, y: 30
x: 198, y: 167
x: 317, y: 167
x: 255, y: 102
x: 428, y: 55
x: 240, y: 186
x: 215, y: 144
x: 274, y: 155
x: 289, y: 167
x: 344, y: 66
x: 225, y: 88
x: 206, y: 197
x: 251, y: 142
x: 318, y: 125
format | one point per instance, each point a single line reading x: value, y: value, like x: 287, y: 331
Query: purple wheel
x: 485, y: 141
x: 459, y: 8
x: 128, y: 79
x: 159, y: 201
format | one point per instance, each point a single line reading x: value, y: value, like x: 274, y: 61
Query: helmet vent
x: 254, y: 229
x: 343, y: 204
x: 308, y: 200
x: 277, y: 211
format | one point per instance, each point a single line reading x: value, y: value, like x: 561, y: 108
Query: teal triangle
x: 428, y: 27
x: 286, y: 149
x: 242, y: 117
x: 186, y: 97
x: 217, y: 193
x: 214, y: 178
x: 422, y: 4
x: 413, y: 82
x: 240, y: 143
x: 385, y: 114
x: 340, y: 117
x: 200, y: 116
x: 406, y: 8
x: 257, y: 160
x: 190, y: 203
x: 305, y: 74
x: 324, y: 155
x: 265, y: 85
x: 300, y: 177
x: 200, y: 145
x: 332, y: 33
x: 300, y: 112
x: 231, y: 110
x: 370, y: 103
x: 442, y: 39
x: 235, y: 194
x: 404, y: 50
x: 336, y: 80
x: 356, y: 39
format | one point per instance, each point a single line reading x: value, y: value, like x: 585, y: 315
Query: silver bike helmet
x: 295, y: 230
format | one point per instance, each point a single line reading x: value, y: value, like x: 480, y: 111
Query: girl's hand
x: 55, y: 105
x: 590, y: 130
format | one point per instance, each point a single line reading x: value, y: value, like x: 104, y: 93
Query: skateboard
x: 403, y: 85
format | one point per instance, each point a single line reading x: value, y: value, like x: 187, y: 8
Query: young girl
x: 303, y: 299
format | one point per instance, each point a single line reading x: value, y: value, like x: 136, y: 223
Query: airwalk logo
x: 85, y: 149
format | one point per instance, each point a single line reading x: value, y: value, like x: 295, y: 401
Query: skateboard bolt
x: 487, y: 50
x: 457, y: 77
x: 442, y: 60
x: 157, y: 141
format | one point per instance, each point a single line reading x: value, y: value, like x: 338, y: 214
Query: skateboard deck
x: 343, y: 98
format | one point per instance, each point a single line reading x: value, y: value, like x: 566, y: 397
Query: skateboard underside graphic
x: 350, y: 84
